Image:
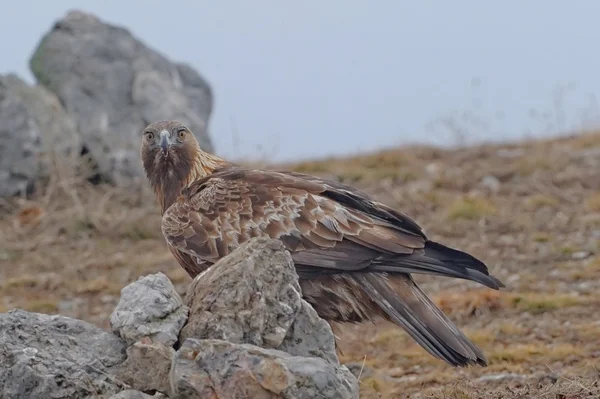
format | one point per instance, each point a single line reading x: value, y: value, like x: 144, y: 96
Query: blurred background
x: 478, y: 119
x: 341, y: 77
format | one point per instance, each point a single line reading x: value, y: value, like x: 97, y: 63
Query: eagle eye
x: 181, y: 134
x: 149, y: 136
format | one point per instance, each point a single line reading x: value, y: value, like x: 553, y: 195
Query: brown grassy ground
x: 531, y: 211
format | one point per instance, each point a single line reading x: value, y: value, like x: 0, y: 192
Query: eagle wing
x: 328, y: 227
x: 343, y: 244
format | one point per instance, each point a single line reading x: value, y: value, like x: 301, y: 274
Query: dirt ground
x: 531, y: 211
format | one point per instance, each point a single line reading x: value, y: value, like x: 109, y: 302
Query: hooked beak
x: 165, y: 142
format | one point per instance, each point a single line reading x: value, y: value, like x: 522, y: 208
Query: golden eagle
x: 354, y: 256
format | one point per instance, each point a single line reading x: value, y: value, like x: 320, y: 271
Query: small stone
x: 500, y: 377
x: 433, y: 169
x: 134, y: 394
x: 586, y: 286
x: 149, y: 307
x: 491, y: 183
x: 580, y: 255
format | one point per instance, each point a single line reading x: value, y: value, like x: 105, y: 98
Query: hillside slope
x: 531, y: 211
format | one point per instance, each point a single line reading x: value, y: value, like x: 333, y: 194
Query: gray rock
x: 44, y: 356
x: 217, y: 369
x: 133, y: 394
x: 149, y: 307
x: 309, y: 335
x: 580, y: 255
x: 113, y: 85
x: 491, y: 183
x: 253, y: 296
x: 33, y: 128
x: 359, y: 369
x: 147, y: 366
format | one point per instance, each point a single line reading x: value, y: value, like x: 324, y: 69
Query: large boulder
x: 253, y: 296
x: 248, y: 319
x: 113, y: 85
x: 44, y: 356
x: 35, y: 131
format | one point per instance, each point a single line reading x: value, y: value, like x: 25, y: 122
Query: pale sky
x: 313, y: 78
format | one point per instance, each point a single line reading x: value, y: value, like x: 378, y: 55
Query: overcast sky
x: 313, y: 78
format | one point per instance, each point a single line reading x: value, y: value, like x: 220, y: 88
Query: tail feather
x: 440, y: 260
x: 412, y: 310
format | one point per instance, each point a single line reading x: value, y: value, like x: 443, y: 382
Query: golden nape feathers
x: 354, y: 256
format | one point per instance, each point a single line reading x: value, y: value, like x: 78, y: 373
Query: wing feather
x: 328, y: 227
x: 224, y: 210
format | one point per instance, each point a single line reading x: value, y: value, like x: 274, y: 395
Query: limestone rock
x: 215, y: 369
x: 149, y: 307
x: 147, y: 366
x: 310, y: 335
x: 113, y: 85
x: 134, y: 394
x: 33, y: 127
x: 253, y: 296
x: 43, y: 356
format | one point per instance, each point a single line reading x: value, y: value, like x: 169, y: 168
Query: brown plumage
x: 353, y: 254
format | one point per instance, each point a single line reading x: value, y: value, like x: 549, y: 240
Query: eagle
x: 354, y: 256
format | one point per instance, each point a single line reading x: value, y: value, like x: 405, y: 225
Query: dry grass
x: 72, y: 247
x: 472, y: 208
x: 592, y: 203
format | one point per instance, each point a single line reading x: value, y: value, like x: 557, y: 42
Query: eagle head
x: 168, y: 140
x: 172, y: 159
x: 169, y: 153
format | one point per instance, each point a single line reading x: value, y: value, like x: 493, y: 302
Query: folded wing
x: 348, y: 249
x: 328, y: 227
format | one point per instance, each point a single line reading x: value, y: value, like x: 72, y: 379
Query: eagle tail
x: 412, y: 310
x: 440, y: 260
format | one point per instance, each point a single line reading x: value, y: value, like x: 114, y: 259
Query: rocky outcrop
x: 98, y: 87
x: 249, y: 334
x: 33, y: 127
x: 44, y: 356
x: 247, y: 311
x: 113, y: 85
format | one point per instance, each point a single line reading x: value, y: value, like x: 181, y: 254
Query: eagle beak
x: 165, y: 142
